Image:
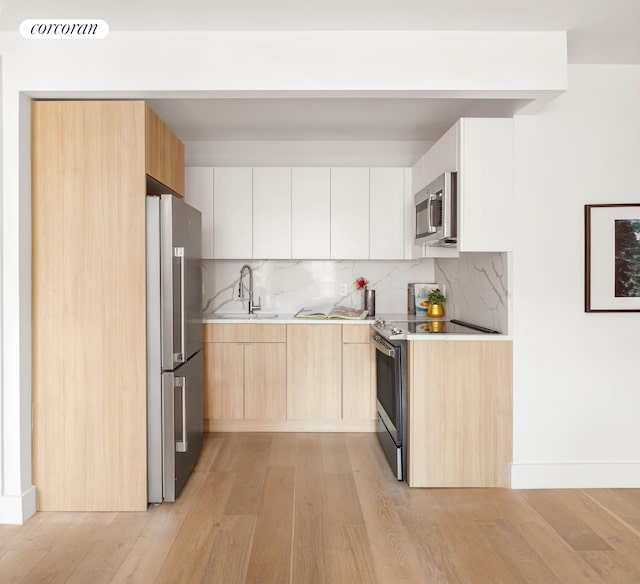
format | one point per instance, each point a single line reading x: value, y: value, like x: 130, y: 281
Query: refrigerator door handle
x: 183, y: 445
x: 181, y: 357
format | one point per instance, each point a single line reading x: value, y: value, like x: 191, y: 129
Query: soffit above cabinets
x: 335, y: 119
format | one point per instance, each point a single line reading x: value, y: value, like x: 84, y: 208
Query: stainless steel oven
x: 391, y: 393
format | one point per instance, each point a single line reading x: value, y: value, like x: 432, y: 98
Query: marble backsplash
x: 477, y: 287
x: 286, y: 286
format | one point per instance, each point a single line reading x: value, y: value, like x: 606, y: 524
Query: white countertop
x: 267, y: 318
x: 458, y: 337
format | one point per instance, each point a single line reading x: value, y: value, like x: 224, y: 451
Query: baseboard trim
x: 575, y: 476
x: 289, y: 425
x: 16, y: 510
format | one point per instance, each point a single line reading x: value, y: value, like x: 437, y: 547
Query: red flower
x: 361, y: 283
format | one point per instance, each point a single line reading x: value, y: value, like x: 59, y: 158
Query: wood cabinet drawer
x: 356, y: 333
x: 244, y: 333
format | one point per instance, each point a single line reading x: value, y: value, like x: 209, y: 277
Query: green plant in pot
x: 435, y: 298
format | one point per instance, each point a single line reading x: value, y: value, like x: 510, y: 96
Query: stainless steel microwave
x: 436, y: 212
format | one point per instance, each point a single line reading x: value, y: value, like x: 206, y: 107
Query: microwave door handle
x: 430, y: 227
x: 433, y: 227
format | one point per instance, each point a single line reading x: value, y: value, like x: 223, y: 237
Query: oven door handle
x: 384, y: 347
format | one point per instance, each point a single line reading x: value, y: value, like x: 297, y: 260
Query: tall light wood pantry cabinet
x: 90, y: 161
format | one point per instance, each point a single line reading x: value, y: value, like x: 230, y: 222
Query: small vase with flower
x: 369, y: 295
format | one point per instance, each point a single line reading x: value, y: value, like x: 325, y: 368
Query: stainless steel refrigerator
x: 174, y: 345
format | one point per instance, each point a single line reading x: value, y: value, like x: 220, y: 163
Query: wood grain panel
x: 246, y: 495
x: 314, y: 371
x: 271, y: 551
x: 193, y: 547
x: 245, y: 333
x: 358, y: 391
x: 460, y: 413
x: 310, y: 508
x: 164, y: 153
x: 356, y: 333
x: 224, y: 375
x: 352, y: 522
x: 265, y: 381
x: 567, y: 521
x: 88, y: 287
x: 395, y: 558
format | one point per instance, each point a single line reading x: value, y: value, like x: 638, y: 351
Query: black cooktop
x: 446, y: 327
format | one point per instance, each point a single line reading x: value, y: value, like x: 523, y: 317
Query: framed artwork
x: 421, y: 295
x: 612, y: 258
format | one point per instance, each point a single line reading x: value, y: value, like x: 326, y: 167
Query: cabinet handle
x: 183, y: 445
x: 182, y: 355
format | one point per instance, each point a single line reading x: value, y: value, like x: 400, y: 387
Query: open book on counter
x: 339, y: 312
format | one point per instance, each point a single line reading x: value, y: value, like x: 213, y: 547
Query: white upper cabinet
x: 311, y: 213
x: 199, y: 194
x: 232, y: 213
x: 350, y: 213
x: 480, y: 150
x: 485, y: 184
x: 271, y: 213
x: 302, y: 212
x: 386, y: 213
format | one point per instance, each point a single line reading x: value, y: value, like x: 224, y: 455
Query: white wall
x: 576, y: 375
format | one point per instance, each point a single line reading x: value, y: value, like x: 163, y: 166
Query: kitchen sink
x: 246, y: 316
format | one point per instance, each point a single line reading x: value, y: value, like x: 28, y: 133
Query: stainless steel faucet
x: 241, y: 288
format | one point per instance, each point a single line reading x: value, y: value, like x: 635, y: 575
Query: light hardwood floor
x: 325, y: 508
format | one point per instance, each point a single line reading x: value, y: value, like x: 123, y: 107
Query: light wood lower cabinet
x: 302, y: 377
x: 245, y: 374
x: 265, y: 381
x: 224, y: 367
x: 358, y: 374
x: 460, y: 413
x: 314, y: 372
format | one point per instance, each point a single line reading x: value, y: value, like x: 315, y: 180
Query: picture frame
x: 421, y: 294
x: 612, y: 257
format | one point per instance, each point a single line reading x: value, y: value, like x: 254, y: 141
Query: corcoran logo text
x: 63, y: 28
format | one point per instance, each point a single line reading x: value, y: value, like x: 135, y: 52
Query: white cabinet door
x: 198, y: 182
x: 386, y: 213
x: 272, y: 213
x: 350, y: 213
x: 311, y: 213
x: 480, y: 150
x: 232, y: 213
x: 485, y: 184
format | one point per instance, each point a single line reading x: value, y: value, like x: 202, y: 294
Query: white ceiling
x: 599, y: 31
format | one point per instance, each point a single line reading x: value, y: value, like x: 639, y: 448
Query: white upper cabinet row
x: 300, y: 213
x: 480, y: 150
